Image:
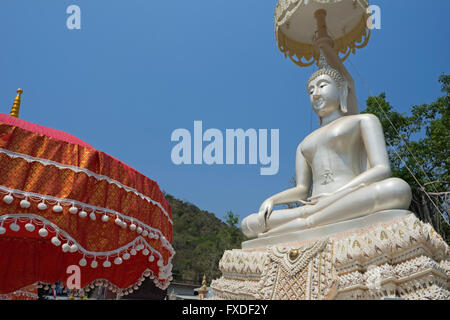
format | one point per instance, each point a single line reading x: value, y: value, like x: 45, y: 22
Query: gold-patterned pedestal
x: 404, y: 258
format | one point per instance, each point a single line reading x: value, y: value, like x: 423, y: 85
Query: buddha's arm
x: 300, y: 192
x: 375, y: 146
x: 288, y: 196
x: 303, y: 181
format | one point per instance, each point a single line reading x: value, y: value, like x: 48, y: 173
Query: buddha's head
x: 328, y: 92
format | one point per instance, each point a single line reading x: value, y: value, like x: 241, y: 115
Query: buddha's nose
x: 316, y: 97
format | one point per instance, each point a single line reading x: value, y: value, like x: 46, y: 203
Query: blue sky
x: 139, y: 69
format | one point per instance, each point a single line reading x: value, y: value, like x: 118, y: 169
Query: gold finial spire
x: 203, y: 290
x: 204, y: 280
x: 16, y: 105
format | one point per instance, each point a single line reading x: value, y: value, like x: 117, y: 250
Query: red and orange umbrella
x: 63, y: 203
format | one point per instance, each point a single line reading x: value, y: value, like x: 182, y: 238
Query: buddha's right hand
x: 265, y: 210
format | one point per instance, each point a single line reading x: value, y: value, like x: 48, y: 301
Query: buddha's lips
x: 319, y: 104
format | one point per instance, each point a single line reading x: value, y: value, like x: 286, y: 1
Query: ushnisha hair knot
x: 326, y: 69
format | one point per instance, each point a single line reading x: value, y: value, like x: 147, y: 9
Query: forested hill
x: 200, y: 239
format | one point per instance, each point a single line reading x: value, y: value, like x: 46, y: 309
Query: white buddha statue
x: 342, y: 168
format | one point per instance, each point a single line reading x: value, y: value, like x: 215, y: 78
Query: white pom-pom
x: 151, y: 258
x: 8, y: 199
x: 57, y: 208
x: 105, y: 218
x: 132, y: 227
x: 126, y: 256
x: 2, y: 230
x: 82, y: 262
x: 82, y: 214
x: 145, y: 233
x: 140, y: 247
x: 133, y: 252
x: 14, y: 227
x: 118, y: 260
x: 145, y: 252
x: 123, y: 224
x: 139, y: 230
x: 94, y: 264
x: 118, y: 221
x: 43, y: 232
x: 73, y: 210
x: 25, y: 204
x: 65, y: 247
x: 160, y: 263
x: 92, y: 216
x: 107, y: 264
x: 73, y: 248
x: 56, y: 241
x: 42, y: 206
x: 30, y: 227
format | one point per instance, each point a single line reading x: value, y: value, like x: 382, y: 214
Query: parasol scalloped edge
x: 71, y: 246
x: 125, y: 291
x: 153, y: 233
x: 115, y: 289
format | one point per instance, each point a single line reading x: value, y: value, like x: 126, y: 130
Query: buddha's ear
x: 344, y: 96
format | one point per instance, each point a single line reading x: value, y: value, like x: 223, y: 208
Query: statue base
x: 400, y: 257
x: 326, y: 231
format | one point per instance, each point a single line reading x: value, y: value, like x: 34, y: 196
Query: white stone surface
x: 326, y: 231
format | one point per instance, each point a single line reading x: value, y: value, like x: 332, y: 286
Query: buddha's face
x: 324, y: 95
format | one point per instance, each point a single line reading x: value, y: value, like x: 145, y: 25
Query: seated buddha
x: 342, y: 168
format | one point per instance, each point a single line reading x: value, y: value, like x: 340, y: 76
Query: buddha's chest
x: 341, y: 140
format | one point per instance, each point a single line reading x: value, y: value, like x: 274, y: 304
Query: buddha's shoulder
x: 368, y: 117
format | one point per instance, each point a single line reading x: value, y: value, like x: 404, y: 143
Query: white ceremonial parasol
x: 298, y: 23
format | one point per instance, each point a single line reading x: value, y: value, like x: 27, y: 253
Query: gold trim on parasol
x: 304, y: 54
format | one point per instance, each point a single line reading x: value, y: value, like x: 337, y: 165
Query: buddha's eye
x: 323, y: 85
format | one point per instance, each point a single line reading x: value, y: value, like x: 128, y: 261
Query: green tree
x: 232, y: 237
x: 419, y: 151
x: 200, y: 239
x: 231, y: 219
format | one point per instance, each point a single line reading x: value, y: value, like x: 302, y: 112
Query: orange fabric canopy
x: 64, y: 203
